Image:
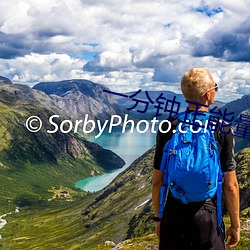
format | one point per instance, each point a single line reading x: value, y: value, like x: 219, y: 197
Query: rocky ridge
x: 4, y: 80
x: 80, y: 97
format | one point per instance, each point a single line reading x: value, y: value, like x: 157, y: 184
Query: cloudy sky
x: 126, y: 45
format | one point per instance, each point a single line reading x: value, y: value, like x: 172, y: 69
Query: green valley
x: 32, y: 163
x: 120, y: 213
x: 38, y: 172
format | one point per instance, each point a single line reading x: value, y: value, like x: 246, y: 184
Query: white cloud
x: 118, y: 81
x: 16, y: 19
x: 33, y: 16
x: 114, y: 59
x: 140, y: 44
x: 35, y: 68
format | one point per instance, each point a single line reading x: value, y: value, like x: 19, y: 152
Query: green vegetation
x: 32, y: 163
x: 113, y: 214
x: 243, y: 175
x: 121, y: 211
x: 49, y: 225
x: 244, y: 235
x: 32, y: 183
x: 84, y: 222
x: 150, y: 242
x: 57, y: 225
x: 38, y: 172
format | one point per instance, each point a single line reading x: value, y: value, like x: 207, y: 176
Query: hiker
x: 196, y: 225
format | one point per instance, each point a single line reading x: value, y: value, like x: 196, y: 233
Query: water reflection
x: 128, y: 146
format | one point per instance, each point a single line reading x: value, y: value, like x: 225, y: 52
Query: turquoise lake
x: 129, y: 146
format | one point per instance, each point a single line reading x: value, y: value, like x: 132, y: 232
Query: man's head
x: 198, y: 86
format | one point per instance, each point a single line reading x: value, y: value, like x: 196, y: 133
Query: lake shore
x: 129, y: 146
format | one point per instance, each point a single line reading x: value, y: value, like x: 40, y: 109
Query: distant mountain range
x: 80, y: 97
x: 238, y: 107
x: 154, y: 100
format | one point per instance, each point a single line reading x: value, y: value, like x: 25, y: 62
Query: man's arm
x: 157, y: 178
x: 156, y: 187
x: 232, y: 200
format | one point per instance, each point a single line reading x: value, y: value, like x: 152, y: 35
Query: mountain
x: 242, y: 141
x: 151, y: 97
x: 80, y: 97
x: 4, y: 80
x: 31, y: 164
x: 243, y: 174
x: 154, y: 102
x: 237, y: 106
x: 106, y: 215
x: 124, y: 208
x: 217, y: 104
x: 150, y: 102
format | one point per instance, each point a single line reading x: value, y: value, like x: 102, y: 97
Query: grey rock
x: 80, y: 97
x: 4, y: 80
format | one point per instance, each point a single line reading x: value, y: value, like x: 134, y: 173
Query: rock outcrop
x: 4, y: 80
x: 80, y: 97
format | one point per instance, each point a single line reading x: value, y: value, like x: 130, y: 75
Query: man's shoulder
x: 224, y: 129
x: 173, y: 120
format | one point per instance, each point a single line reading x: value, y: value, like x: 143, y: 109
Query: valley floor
x: 57, y: 225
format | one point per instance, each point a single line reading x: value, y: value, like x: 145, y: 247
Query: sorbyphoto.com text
x: 87, y: 126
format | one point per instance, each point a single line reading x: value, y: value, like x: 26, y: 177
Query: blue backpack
x: 191, y: 163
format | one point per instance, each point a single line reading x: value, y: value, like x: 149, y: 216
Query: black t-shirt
x: 225, y: 143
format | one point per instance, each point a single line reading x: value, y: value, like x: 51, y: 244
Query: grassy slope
x: 28, y: 167
x: 60, y: 225
x: 243, y: 175
x: 56, y: 225
x: 150, y: 242
x: 112, y: 214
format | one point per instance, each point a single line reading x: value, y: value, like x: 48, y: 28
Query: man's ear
x: 207, y: 95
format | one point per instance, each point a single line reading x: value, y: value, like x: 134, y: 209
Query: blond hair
x: 195, y: 83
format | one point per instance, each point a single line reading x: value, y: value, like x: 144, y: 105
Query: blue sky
x: 126, y: 45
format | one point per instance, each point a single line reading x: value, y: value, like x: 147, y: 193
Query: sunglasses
x: 216, y: 87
